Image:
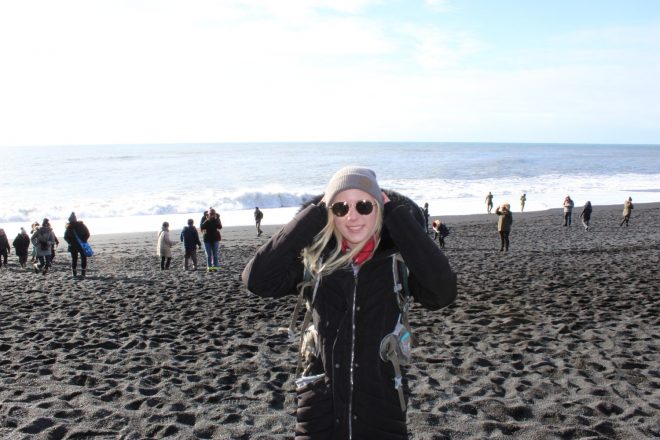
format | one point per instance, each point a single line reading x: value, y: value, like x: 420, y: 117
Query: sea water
x: 125, y: 188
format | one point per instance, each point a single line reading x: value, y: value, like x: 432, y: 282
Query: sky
x: 78, y: 72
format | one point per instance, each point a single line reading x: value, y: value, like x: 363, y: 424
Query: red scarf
x: 364, y: 254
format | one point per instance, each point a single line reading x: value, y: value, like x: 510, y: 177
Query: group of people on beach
x: 43, y: 241
x: 506, y: 219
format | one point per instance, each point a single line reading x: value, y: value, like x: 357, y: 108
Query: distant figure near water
x: 489, y: 202
x: 523, y: 199
x: 258, y: 215
x: 5, y: 249
x: 210, y: 227
x: 75, y: 233
x: 504, y: 225
x: 190, y: 239
x: 568, y: 210
x: 585, y: 215
x: 164, y: 247
x: 627, y: 211
x: 43, y: 240
x: 425, y: 211
x: 22, y: 245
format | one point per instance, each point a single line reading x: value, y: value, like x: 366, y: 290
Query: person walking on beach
x: 440, y: 231
x: 504, y: 225
x: 43, y: 239
x: 164, y: 246
x: 489, y: 202
x: 34, y: 227
x: 346, y: 241
x: 627, y: 211
x: 211, y: 235
x: 22, y: 245
x: 5, y: 249
x: 568, y: 210
x: 585, y: 215
x: 523, y: 199
x: 191, y: 243
x: 75, y: 233
x: 258, y: 215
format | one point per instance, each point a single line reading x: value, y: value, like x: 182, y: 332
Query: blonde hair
x: 312, y: 254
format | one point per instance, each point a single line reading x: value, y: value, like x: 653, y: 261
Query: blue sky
x: 170, y: 71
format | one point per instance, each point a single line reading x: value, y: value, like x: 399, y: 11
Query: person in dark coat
x: 504, y: 225
x: 22, y: 245
x: 191, y: 243
x: 347, y: 240
x: 210, y: 227
x: 585, y: 215
x: 73, y: 228
x: 5, y: 249
x: 43, y: 238
x: 258, y: 216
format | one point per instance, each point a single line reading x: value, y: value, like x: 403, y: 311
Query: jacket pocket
x: 315, y: 411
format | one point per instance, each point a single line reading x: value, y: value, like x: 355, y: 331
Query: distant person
x: 504, y: 225
x: 164, y: 246
x: 56, y: 244
x: 43, y: 239
x: 425, y: 211
x: 22, y: 245
x: 568, y: 210
x: 585, y: 215
x: 489, y: 202
x: 191, y: 243
x: 211, y: 235
x: 523, y: 199
x: 33, y: 228
x: 258, y: 215
x: 440, y: 231
x: 75, y: 233
x: 5, y: 249
x: 627, y: 211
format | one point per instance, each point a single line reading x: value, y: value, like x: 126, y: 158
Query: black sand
x: 556, y: 339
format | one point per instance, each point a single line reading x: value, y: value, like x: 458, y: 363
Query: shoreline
x: 557, y: 338
x: 270, y: 229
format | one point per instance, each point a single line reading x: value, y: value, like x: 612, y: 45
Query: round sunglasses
x: 363, y: 207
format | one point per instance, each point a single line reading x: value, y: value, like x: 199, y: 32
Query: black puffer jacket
x: 72, y: 229
x: 352, y: 315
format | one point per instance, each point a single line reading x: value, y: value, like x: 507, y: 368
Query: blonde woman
x: 164, y: 247
x: 347, y: 241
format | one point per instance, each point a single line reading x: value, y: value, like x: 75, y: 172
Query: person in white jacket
x: 164, y: 247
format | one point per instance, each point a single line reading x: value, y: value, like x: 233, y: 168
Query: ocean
x: 131, y: 188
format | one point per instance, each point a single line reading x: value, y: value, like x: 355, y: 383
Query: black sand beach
x: 556, y: 339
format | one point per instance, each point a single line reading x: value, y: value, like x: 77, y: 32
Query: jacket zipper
x: 350, y: 396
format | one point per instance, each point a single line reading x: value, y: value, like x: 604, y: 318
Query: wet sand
x: 556, y: 339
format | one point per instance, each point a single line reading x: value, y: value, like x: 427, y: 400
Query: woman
x: 5, y: 249
x: 568, y: 210
x: 627, y: 211
x: 210, y: 227
x: 164, y: 247
x: 76, y: 232
x: 347, y: 242
x: 585, y: 215
x: 22, y: 244
x: 504, y: 225
x: 43, y: 240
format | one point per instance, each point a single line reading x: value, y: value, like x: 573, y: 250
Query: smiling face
x: 355, y: 227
